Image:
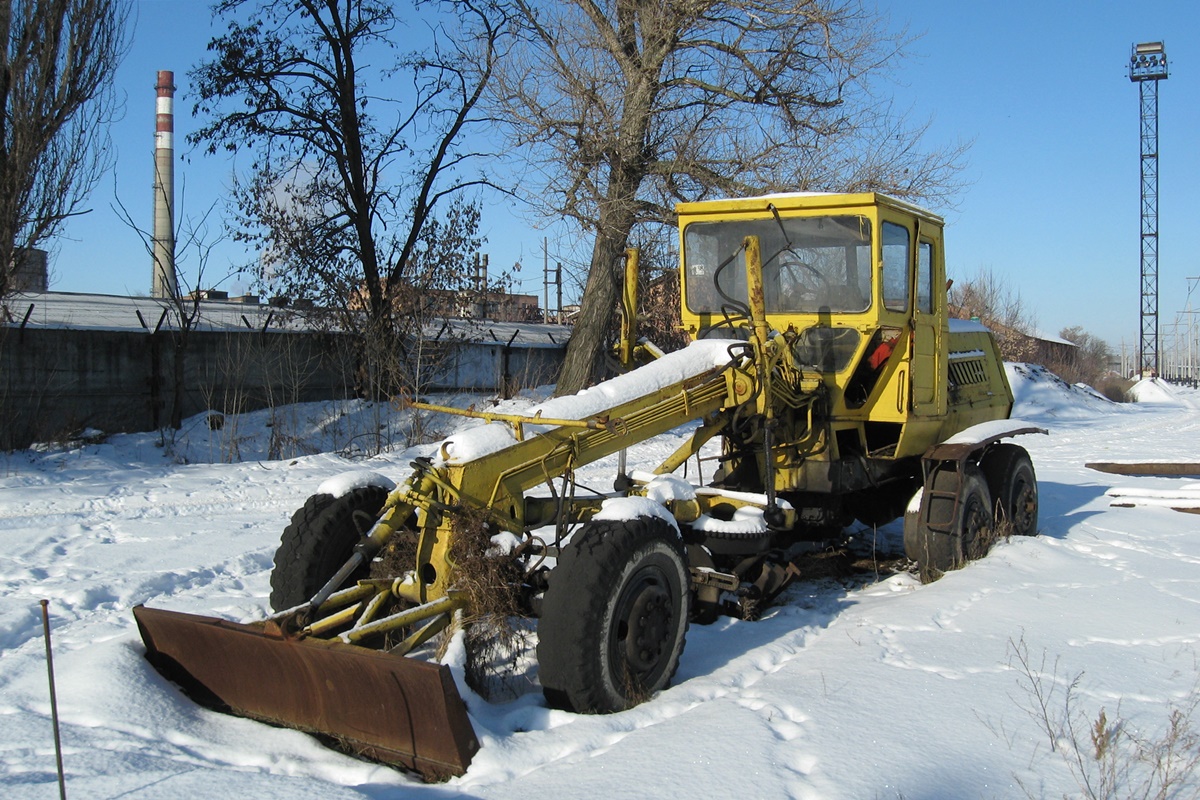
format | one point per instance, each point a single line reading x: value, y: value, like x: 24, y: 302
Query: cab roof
x: 795, y: 201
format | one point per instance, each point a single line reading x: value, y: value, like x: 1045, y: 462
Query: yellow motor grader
x: 824, y: 362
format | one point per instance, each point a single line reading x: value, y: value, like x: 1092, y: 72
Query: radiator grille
x: 967, y: 371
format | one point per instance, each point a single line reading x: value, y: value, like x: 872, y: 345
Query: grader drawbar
x: 825, y: 383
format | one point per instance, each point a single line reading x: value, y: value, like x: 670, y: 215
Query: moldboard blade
x: 388, y: 708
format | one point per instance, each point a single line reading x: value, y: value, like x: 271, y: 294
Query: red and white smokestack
x: 164, y: 283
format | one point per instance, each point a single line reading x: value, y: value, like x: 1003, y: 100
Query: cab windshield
x: 810, y: 264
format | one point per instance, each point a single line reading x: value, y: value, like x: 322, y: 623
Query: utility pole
x: 1148, y: 66
x: 545, y: 279
x: 1191, y: 330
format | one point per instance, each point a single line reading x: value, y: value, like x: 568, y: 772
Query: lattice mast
x: 1148, y: 66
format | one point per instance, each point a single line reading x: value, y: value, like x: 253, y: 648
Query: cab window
x: 810, y: 265
x: 925, y: 278
x: 895, y: 267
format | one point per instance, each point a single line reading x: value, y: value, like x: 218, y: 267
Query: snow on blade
x: 693, y: 360
x: 745, y: 497
x: 664, y: 488
x: 746, y: 520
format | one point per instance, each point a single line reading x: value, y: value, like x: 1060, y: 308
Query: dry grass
x: 1109, y: 758
x: 494, y: 638
x: 1115, y: 388
x: 1001, y: 530
x: 398, y: 556
x: 489, y: 580
x: 633, y: 689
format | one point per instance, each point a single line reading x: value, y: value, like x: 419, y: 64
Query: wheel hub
x: 1026, y: 504
x: 648, y: 627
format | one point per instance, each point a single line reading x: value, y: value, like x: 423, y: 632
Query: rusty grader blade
x: 388, y: 708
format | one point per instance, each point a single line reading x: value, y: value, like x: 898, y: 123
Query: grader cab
x: 825, y: 383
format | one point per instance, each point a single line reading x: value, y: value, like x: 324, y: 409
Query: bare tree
x: 659, y: 299
x: 1087, y: 362
x: 988, y: 299
x: 57, y: 62
x: 625, y: 106
x: 181, y: 304
x: 350, y: 164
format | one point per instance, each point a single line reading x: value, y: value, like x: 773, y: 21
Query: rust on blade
x: 388, y: 708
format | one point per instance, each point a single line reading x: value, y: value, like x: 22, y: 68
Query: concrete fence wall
x: 57, y: 382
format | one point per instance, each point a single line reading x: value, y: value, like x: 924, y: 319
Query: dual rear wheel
x: 965, y: 507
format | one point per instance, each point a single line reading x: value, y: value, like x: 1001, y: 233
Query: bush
x: 1115, y: 388
x: 1087, y: 362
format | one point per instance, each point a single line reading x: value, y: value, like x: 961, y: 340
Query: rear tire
x: 1013, y: 484
x: 614, y: 616
x: 319, y: 540
x: 970, y: 524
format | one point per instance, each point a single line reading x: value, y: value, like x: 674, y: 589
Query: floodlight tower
x: 1148, y: 66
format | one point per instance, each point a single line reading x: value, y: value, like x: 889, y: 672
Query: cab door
x: 929, y: 327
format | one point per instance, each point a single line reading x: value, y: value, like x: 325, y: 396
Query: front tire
x: 319, y: 540
x: 614, y: 616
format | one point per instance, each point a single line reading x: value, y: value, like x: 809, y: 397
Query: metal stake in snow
x: 62, y: 784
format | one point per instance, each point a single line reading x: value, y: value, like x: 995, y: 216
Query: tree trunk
x: 584, y: 359
x: 583, y: 363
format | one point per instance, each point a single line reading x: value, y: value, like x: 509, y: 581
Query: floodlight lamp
x: 1147, y: 62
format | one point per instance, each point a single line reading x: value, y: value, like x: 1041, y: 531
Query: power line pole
x: 1148, y: 66
x: 1191, y: 331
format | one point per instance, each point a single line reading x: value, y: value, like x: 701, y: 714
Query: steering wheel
x: 805, y: 285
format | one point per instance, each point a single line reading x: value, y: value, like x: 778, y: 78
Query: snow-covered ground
x: 858, y: 688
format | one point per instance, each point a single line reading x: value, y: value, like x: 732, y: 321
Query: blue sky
x: 1053, y: 206
x: 1040, y: 88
